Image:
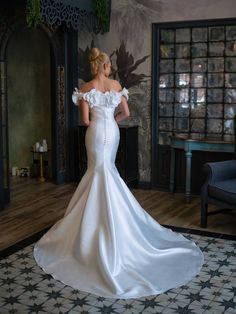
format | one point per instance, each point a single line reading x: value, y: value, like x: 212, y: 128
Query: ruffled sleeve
x: 76, y: 96
x: 125, y: 93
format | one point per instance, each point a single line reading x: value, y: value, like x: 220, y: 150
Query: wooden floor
x: 35, y: 206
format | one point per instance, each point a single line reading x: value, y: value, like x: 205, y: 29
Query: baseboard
x: 145, y: 185
x: 23, y: 243
x: 201, y: 232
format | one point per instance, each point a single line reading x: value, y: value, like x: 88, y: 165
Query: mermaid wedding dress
x: 106, y: 243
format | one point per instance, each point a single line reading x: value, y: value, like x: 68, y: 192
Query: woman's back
x: 103, y: 84
x: 102, y: 136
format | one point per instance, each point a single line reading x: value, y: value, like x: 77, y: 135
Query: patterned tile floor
x: 25, y: 288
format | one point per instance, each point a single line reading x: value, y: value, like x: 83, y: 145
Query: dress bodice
x: 105, y: 100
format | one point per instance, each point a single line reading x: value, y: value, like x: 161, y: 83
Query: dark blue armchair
x: 219, y: 188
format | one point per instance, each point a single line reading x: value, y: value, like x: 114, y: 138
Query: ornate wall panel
x: 76, y: 14
x: 61, y: 117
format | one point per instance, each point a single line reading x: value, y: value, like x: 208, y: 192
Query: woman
x: 106, y: 243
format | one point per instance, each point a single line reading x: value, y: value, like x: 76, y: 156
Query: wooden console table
x: 189, y: 145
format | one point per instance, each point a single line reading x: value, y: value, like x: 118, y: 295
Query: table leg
x: 41, y: 178
x: 172, y: 170
x: 188, y: 155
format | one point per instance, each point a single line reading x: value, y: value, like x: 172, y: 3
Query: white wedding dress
x: 106, y: 243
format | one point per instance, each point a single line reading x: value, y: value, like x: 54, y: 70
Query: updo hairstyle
x: 96, y: 59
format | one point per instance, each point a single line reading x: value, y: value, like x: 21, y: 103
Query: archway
x: 58, y: 100
x: 29, y: 95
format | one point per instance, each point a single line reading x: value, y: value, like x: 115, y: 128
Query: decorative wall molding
x: 61, y: 117
x: 74, y: 15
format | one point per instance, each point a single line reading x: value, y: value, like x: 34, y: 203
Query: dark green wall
x: 29, y: 105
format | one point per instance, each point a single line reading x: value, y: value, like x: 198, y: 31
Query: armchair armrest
x: 217, y: 171
x: 222, y: 170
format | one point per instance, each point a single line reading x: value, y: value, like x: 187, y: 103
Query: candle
x: 37, y: 145
x: 13, y: 171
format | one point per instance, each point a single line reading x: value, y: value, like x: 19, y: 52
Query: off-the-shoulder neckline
x: 106, y: 92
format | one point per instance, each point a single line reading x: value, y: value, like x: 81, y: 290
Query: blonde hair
x: 96, y: 59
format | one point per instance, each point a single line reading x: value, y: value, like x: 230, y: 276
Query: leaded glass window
x: 196, y: 74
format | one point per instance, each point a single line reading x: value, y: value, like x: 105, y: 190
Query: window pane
x: 182, y: 79
x: 198, y: 125
x: 229, y: 126
x: 198, y: 110
x: 230, y: 48
x: 183, y: 35
x: 215, y: 80
x: 230, y: 80
x: 214, y: 126
x: 198, y: 95
x: 216, y: 33
x: 181, y: 124
x: 165, y: 124
x: 166, y: 66
x: 182, y: 95
x: 198, y: 80
x: 181, y: 110
x: 165, y: 110
x: 199, y: 65
x: 230, y: 95
x: 216, y: 65
x: 199, y: 50
x: 230, y: 110
x: 167, y: 35
x: 166, y: 80
x: 199, y: 34
x: 166, y: 95
x: 230, y: 64
x: 215, y: 95
x: 215, y: 111
x: 231, y: 32
x: 216, y: 49
x: 182, y: 50
x: 182, y: 65
x: 167, y: 51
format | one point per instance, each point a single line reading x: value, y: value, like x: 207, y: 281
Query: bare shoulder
x: 115, y: 85
x: 86, y: 87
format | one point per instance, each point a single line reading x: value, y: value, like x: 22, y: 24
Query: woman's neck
x: 100, y: 77
x: 100, y: 81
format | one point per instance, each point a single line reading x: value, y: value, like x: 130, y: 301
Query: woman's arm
x: 84, y: 112
x: 123, y: 110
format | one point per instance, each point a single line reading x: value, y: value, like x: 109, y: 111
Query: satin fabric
x: 106, y: 243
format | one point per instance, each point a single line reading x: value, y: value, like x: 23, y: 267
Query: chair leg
x: 204, y: 208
